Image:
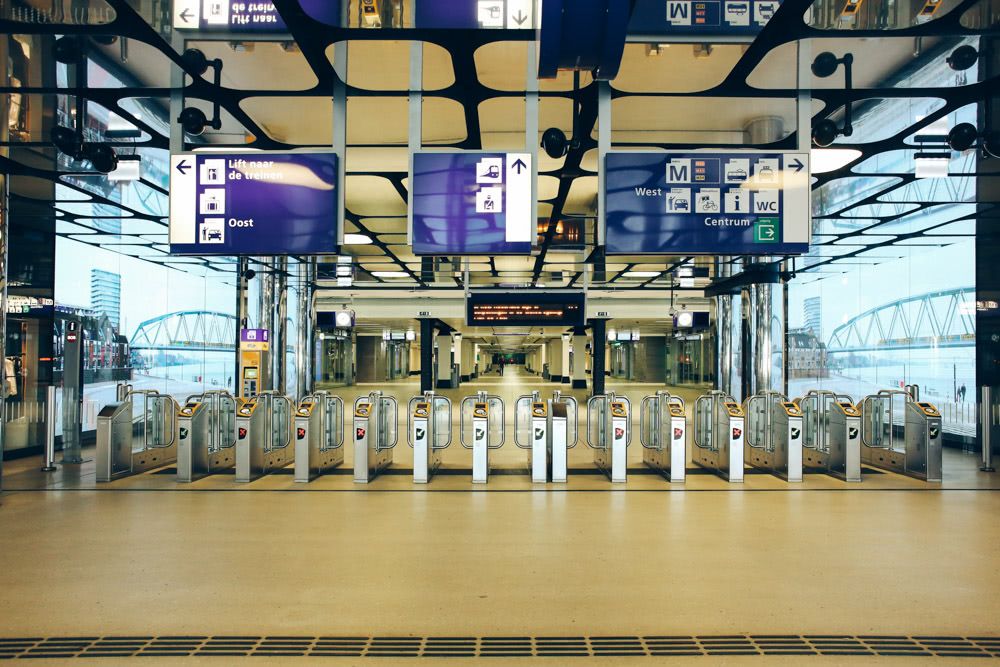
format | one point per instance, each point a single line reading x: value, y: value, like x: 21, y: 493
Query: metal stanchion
x: 50, y: 431
x: 986, y: 424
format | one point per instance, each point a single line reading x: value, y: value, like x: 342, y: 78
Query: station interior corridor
x: 146, y: 557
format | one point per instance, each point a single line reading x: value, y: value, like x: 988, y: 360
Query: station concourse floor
x: 902, y: 571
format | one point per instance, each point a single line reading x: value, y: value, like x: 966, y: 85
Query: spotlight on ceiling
x: 554, y: 143
x: 67, y: 142
x: 193, y: 120
x: 962, y: 58
x: 825, y: 132
x: 102, y: 156
x: 68, y: 49
x: 195, y: 61
x: 962, y: 137
x: 825, y: 64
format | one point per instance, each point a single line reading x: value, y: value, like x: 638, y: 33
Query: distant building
x: 806, y: 355
x: 108, y: 219
x: 813, y: 307
x: 106, y: 295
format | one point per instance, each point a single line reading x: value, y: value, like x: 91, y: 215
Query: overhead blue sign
x: 472, y: 203
x: 739, y: 203
x: 474, y: 14
x: 247, y: 15
x: 254, y: 203
x: 701, y: 17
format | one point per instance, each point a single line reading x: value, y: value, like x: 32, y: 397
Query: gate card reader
x: 719, y: 435
x: 663, y: 433
x: 480, y: 443
x: 319, y: 436
x: 374, y: 435
x: 538, y: 454
x: 609, y: 434
x: 773, y: 438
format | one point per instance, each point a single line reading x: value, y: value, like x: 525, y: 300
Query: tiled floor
x: 889, y: 556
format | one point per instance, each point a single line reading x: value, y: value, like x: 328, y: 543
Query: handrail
x: 383, y: 401
x: 339, y: 426
x: 748, y: 408
x: 590, y: 401
x: 867, y: 419
x: 709, y: 398
x: 447, y: 402
x: 409, y: 419
x: 517, y: 420
x: 290, y: 426
x: 646, y: 401
x: 575, y: 421
x: 503, y: 417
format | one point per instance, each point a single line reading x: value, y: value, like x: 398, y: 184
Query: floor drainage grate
x: 512, y: 647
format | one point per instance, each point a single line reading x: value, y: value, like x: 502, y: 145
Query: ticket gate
x: 375, y: 436
x: 609, y: 433
x: 264, y: 427
x: 136, y: 433
x: 206, y: 434
x: 773, y: 438
x: 719, y: 426
x: 831, y: 440
x: 481, y: 429
x: 663, y: 434
x: 547, y: 430
x: 319, y: 435
x: 902, y: 434
x: 428, y: 431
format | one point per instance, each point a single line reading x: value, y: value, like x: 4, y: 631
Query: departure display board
x: 256, y: 203
x: 535, y: 309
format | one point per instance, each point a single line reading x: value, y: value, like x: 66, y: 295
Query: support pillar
x: 427, y: 334
x: 304, y: 343
x: 4, y: 229
x: 444, y: 362
x: 556, y: 369
x: 599, y: 335
x: 580, y: 361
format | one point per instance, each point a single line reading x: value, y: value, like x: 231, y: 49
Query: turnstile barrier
x: 773, y: 438
x: 319, y: 435
x: 206, y: 434
x: 831, y: 440
x: 609, y: 433
x: 719, y: 426
x: 428, y: 431
x: 136, y: 433
x: 663, y: 434
x: 902, y: 434
x: 375, y: 436
x: 264, y: 432
x: 547, y: 429
x: 484, y: 416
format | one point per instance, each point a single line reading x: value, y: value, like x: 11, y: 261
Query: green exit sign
x: 765, y: 230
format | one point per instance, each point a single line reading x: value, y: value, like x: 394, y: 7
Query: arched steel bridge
x: 932, y: 320
x: 188, y: 330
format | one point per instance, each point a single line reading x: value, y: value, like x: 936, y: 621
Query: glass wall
x: 899, y: 307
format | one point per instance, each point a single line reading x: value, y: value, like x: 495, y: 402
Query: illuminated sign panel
x: 503, y: 309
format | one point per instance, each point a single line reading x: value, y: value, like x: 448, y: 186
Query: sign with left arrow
x: 253, y: 203
x: 719, y: 202
x: 251, y: 16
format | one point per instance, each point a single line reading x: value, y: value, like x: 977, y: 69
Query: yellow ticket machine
x: 255, y: 362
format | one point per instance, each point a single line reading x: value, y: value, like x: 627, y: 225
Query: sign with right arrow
x: 719, y: 202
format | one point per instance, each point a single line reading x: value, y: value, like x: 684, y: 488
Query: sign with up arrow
x: 719, y: 202
x: 472, y: 203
